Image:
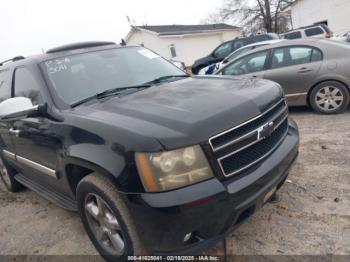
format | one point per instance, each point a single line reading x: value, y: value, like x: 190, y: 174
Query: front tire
x: 329, y: 97
x: 7, y: 176
x: 106, y: 219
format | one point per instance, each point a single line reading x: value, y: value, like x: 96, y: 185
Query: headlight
x: 173, y: 169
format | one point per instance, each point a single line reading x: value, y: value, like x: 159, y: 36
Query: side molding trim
x: 9, y: 155
x: 296, y: 94
x: 42, y: 169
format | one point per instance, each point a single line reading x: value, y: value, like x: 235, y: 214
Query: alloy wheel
x: 104, y: 225
x: 4, y: 173
x: 329, y: 98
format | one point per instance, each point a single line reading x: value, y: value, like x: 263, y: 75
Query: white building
x: 335, y: 13
x: 184, y: 43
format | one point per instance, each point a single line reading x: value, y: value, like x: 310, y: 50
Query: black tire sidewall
x: 15, y: 185
x: 343, y: 89
x: 86, y: 188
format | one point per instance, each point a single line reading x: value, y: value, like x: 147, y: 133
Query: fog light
x: 187, y: 237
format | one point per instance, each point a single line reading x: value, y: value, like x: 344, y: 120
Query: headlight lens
x: 173, y: 169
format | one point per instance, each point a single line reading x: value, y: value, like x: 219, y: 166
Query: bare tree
x: 253, y: 15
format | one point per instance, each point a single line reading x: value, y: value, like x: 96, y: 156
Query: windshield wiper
x: 162, y: 78
x: 109, y: 92
x: 119, y: 90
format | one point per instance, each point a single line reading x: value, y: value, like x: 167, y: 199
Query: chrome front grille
x: 251, y: 141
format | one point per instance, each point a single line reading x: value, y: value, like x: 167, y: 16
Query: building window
x: 172, y: 50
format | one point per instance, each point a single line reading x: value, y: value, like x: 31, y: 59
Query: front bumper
x: 210, y: 209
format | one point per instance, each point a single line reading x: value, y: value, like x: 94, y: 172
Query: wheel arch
x: 76, y: 169
x: 322, y: 81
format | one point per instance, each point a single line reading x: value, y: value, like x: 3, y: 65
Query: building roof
x: 186, y: 29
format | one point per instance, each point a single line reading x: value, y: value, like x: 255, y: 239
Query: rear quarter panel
x: 336, y: 63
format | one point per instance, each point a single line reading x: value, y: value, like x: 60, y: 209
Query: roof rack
x: 78, y: 46
x: 16, y: 58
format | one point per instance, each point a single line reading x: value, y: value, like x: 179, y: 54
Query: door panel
x: 294, y: 68
x: 35, y: 141
x: 37, y: 150
x: 6, y: 142
x: 294, y: 79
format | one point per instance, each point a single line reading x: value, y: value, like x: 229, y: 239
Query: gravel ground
x: 313, y: 217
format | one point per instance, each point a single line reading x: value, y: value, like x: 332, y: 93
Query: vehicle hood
x: 187, y: 111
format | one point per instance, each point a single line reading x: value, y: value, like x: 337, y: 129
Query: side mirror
x: 18, y: 108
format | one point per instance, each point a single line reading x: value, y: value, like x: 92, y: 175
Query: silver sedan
x: 311, y: 72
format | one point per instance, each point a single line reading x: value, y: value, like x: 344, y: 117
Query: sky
x: 30, y: 26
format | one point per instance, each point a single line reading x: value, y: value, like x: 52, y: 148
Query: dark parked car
x: 154, y: 161
x: 311, y: 72
x: 227, y: 48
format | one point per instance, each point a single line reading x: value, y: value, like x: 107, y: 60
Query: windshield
x: 77, y: 77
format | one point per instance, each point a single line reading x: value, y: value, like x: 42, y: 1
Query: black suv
x: 227, y: 48
x: 154, y: 161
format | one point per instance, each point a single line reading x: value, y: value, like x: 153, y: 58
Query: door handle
x: 304, y: 70
x: 16, y: 132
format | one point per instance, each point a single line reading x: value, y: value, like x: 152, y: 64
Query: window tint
x: 277, y: 58
x: 249, y: 64
x: 238, y: 44
x: 223, y: 50
x: 5, y: 84
x: 314, y: 31
x: 27, y: 86
x: 316, y: 55
x: 293, y: 35
x: 290, y: 56
x: 300, y: 55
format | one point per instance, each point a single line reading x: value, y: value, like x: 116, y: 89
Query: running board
x: 56, y: 198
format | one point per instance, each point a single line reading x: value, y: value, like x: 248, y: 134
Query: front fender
x: 98, y: 155
x: 120, y: 169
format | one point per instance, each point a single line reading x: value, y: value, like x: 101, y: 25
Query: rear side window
x: 293, y: 35
x: 5, y: 84
x: 314, y: 31
x: 316, y: 55
x: 27, y: 86
x: 289, y: 56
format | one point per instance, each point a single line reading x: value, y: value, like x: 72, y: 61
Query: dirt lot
x: 312, y: 218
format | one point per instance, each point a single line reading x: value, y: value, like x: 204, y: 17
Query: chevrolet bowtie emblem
x: 266, y: 130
